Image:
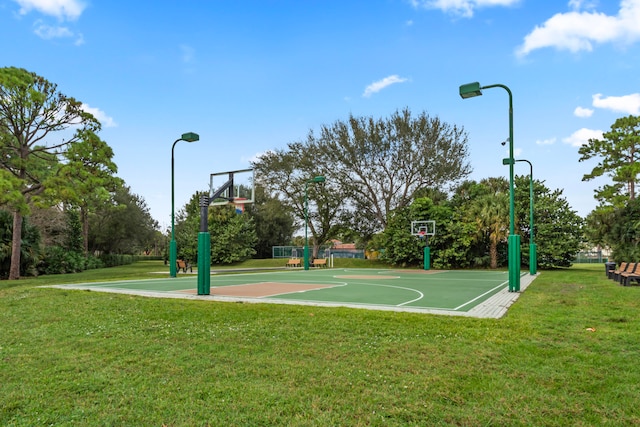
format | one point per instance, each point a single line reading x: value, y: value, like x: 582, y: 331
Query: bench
x: 184, y: 265
x: 294, y: 262
x: 319, y: 262
x: 616, y: 274
x: 631, y: 274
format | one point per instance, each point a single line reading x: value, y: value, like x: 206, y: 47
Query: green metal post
x: 173, y: 246
x: 474, y: 89
x: 306, y: 220
x: 533, y: 256
x: 204, y: 263
x: 427, y: 257
x: 204, y: 248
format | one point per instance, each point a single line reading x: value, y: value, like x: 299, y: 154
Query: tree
x: 624, y: 233
x: 31, y: 247
x: 31, y: 109
x: 233, y: 236
x: 598, y: 226
x: 123, y: 227
x: 372, y: 167
x: 491, y: 214
x: 381, y: 164
x: 274, y: 222
x: 86, y: 179
x: 285, y: 174
x: 558, y: 229
x: 449, y: 246
x: 400, y: 247
x: 619, y: 151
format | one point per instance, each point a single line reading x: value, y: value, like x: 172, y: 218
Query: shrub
x: 58, y: 260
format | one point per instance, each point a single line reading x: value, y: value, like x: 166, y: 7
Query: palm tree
x: 491, y: 214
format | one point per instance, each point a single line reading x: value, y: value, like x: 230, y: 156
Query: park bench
x: 616, y: 273
x: 184, y: 265
x: 632, y: 274
x: 320, y: 262
x: 294, y: 262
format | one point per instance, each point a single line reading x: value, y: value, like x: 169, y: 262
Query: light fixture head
x: 190, y: 137
x: 470, y: 90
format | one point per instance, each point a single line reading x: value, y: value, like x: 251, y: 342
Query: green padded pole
x: 427, y: 257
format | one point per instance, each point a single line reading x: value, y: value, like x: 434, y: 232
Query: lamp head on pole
x: 190, y: 137
x: 470, y: 90
x: 318, y: 178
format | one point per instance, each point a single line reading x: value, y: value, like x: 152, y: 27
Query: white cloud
x: 463, y: 8
x: 582, y: 136
x: 62, y: 9
x: 48, y: 32
x: 106, y: 121
x: 629, y: 104
x: 582, y: 4
x: 576, y: 31
x: 582, y: 112
x: 256, y: 156
x: 376, y: 87
x: 79, y: 40
x: 548, y: 141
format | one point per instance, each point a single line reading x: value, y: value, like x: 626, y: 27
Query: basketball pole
x: 427, y: 254
x: 204, y: 249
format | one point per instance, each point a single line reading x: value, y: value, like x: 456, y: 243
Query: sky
x: 254, y: 75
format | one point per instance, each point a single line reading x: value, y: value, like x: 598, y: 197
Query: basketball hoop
x: 238, y: 203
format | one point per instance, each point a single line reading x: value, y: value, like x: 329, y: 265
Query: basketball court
x: 481, y: 294
x: 460, y: 293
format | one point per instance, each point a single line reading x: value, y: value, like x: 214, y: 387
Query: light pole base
x: 306, y: 257
x: 173, y: 258
x: 533, y: 259
x: 514, y: 263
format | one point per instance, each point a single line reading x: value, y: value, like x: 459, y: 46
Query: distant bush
x: 58, y: 260
x: 112, y: 260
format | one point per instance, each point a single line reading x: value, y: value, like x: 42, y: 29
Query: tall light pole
x: 533, y: 256
x: 315, y: 180
x: 471, y: 90
x: 173, y: 248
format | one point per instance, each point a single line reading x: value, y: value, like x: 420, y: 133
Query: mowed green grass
x: 89, y: 358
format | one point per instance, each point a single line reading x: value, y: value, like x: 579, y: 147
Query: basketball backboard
x: 232, y: 186
x: 423, y: 228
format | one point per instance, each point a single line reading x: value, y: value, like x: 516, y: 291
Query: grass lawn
x: 70, y: 358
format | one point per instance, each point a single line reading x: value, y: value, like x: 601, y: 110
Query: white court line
x: 395, y: 287
x: 480, y: 296
x: 288, y: 282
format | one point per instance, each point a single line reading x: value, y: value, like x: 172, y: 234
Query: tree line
x: 61, y: 197
x: 381, y: 174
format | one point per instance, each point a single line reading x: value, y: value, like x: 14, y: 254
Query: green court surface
x: 465, y: 293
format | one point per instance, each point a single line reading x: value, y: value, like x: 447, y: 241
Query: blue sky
x: 250, y: 76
